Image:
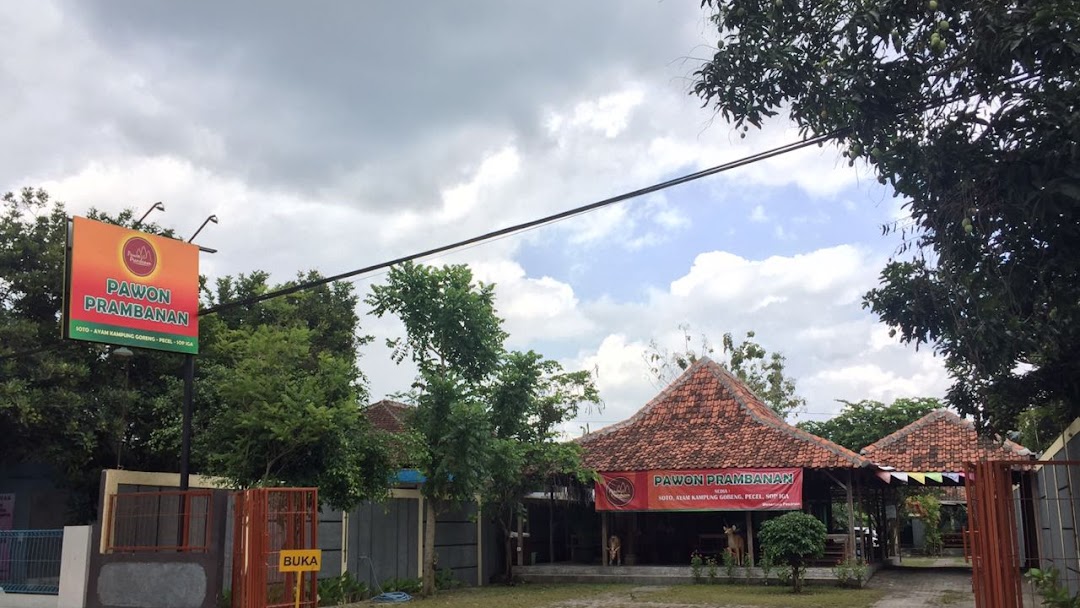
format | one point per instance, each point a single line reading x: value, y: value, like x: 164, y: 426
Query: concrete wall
x: 382, y: 541
x: 75, y: 567
x: 1058, y: 496
x: 20, y: 600
x: 160, y: 580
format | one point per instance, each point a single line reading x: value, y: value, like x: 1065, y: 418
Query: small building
x: 707, y: 454
x: 934, y: 451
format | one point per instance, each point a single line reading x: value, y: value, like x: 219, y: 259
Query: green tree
x: 968, y: 109
x: 455, y: 338
x: 793, y: 539
x: 530, y: 399
x: 763, y: 372
x: 77, y: 407
x: 65, y: 403
x: 861, y: 423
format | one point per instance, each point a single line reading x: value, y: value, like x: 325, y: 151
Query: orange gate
x: 1018, y: 515
x: 267, y: 521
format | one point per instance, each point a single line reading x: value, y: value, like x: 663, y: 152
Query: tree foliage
x: 763, y: 372
x: 454, y: 337
x: 793, y: 539
x: 863, y: 422
x: 530, y: 398
x: 969, y: 110
x: 277, y: 383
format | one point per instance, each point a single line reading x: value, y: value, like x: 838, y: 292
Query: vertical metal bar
x: 109, y: 523
x: 186, y: 530
x: 185, y: 433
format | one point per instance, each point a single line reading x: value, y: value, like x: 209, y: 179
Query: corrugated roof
x: 709, y: 419
x: 940, y: 441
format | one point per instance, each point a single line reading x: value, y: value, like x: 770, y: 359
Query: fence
x: 159, y: 521
x: 30, y: 561
x: 1022, y: 516
x: 268, y: 521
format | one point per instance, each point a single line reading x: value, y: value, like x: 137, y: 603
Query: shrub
x: 408, y: 585
x: 1054, y: 594
x: 339, y: 590
x: 710, y: 565
x: 851, y: 573
x: 765, y: 562
x: 444, y: 579
x: 729, y: 566
x: 696, y: 562
x: 928, y: 508
x: 794, y: 538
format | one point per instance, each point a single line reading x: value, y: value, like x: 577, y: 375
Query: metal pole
x: 185, y: 437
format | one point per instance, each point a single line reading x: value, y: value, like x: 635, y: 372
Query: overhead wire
x: 529, y: 225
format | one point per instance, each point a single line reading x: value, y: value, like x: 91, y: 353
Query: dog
x: 735, y: 545
x: 614, y: 550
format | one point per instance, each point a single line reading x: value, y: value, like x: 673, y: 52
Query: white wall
x: 74, y: 567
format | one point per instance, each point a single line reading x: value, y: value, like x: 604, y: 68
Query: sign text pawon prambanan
x: 700, y: 490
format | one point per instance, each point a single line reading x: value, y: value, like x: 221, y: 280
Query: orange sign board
x: 131, y: 288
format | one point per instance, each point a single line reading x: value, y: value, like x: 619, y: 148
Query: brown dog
x: 735, y: 545
x: 614, y: 548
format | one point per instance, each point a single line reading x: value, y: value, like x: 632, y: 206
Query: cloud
x: 338, y: 138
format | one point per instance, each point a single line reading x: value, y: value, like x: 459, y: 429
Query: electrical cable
x: 549, y: 219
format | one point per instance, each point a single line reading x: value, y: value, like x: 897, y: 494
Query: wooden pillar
x: 479, y: 544
x: 520, y: 540
x: 604, y: 536
x: 850, y: 515
x: 551, y: 527
x: 750, y: 538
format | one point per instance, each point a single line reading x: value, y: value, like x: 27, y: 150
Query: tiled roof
x: 940, y: 441
x: 389, y: 416
x: 708, y: 419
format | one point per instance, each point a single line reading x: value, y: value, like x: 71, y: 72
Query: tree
x: 793, y: 539
x: 761, y: 371
x: 65, y: 403
x: 861, y: 423
x: 77, y: 407
x: 969, y: 110
x: 455, y: 338
x: 531, y: 397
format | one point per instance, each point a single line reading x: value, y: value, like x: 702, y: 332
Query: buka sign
x: 130, y: 288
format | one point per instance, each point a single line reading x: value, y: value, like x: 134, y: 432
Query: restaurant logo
x: 620, y: 491
x: 139, y: 256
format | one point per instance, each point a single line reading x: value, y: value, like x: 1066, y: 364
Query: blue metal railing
x: 30, y: 561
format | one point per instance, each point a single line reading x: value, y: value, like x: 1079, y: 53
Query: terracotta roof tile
x: 389, y: 416
x: 940, y: 441
x: 708, y: 419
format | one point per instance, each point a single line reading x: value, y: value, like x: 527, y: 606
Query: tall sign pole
x: 189, y: 395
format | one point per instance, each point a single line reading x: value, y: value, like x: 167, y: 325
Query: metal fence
x: 164, y: 521
x: 30, y: 561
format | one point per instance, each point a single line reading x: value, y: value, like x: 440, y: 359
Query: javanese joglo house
x: 706, y: 454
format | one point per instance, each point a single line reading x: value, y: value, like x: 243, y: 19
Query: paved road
x: 924, y: 587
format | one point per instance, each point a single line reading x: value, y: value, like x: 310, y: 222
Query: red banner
x: 701, y: 490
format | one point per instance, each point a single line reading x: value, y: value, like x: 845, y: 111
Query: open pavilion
x: 705, y: 453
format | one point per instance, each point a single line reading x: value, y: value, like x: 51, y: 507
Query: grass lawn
x: 626, y: 596
x: 521, y: 596
x: 756, y: 595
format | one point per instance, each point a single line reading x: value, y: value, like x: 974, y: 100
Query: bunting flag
x: 900, y: 476
x: 935, y: 477
x: 954, y: 477
x: 884, y: 476
x: 919, y: 477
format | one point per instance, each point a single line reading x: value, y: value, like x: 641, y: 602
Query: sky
x: 336, y: 135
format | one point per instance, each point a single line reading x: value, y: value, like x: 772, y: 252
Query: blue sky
x: 331, y: 136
